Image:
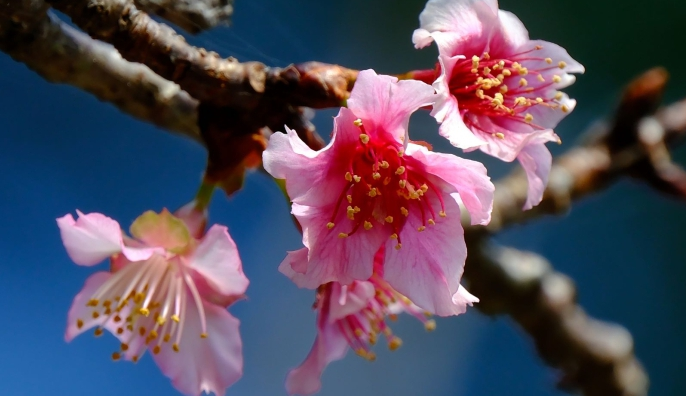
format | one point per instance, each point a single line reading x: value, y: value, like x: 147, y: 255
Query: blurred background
x: 61, y: 150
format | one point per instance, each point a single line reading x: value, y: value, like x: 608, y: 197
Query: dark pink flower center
x: 363, y: 328
x: 383, y: 187
x: 505, y: 87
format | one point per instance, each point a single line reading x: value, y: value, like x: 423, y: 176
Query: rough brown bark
x: 63, y: 55
x: 192, y: 16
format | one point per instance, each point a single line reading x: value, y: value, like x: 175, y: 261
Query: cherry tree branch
x: 62, y: 54
x: 192, y: 16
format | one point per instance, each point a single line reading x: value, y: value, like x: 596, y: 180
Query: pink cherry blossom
x: 371, y: 188
x: 350, y: 316
x: 497, y: 89
x: 166, y: 292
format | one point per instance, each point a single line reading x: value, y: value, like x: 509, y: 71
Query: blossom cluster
x: 380, y: 213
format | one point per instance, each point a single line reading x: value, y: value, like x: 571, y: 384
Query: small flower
x: 372, y: 188
x: 353, y: 316
x: 166, y: 293
x: 497, y: 89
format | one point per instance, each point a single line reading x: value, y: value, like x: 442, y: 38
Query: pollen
x: 98, y: 332
x: 358, y: 122
x: 342, y: 235
x: 421, y: 228
x: 523, y: 82
x: 400, y: 170
x: 348, y: 176
x: 349, y: 198
x: 528, y: 118
x: 430, y: 325
x: 389, y: 219
x: 373, y: 192
x: 549, y: 61
x: 431, y: 222
x: 144, y: 311
x: 398, y: 246
x: 475, y: 62
x: 175, y: 318
x: 384, y: 164
x: 93, y: 302
x: 499, y: 135
x: 350, y: 212
x: 203, y: 335
x: 404, y: 211
x: 562, y: 64
x: 79, y: 323
x: 156, y: 349
x: 367, y: 225
x: 394, y: 236
x: 442, y: 213
x: 116, y: 356
x: 330, y: 225
x: 558, y: 95
x: 557, y: 79
x: 124, y: 347
x: 175, y: 347
x: 394, y: 343
x: 540, y: 78
x: 364, y: 138
x: 376, y: 175
x: 95, y: 314
x: 356, y: 178
x: 565, y: 109
x: 402, y: 183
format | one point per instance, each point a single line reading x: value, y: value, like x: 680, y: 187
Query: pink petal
x: 508, y: 148
x: 456, y: 25
x: 428, y: 267
x: 295, y: 263
x: 446, y: 109
x: 350, y: 299
x: 334, y: 259
x: 464, y: 298
x: 209, y: 364
x: 216, y: 259
x: 329, y: 345
x: 90, y: 239
x: 306, y: 171
x: 467, y: 177
x: 511, y: 34
x: 385, y: 104
x: 194, y: 218
x: 80, y: 312
x: 536, y: 161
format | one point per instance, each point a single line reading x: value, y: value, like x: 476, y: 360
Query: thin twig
x: 192, y: 16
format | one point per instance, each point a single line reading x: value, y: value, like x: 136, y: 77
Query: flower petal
x: 467, y: 177
x: 80, y: 316
x: 216, y: 259
x: 446, y: 109
x: 331, y: 258
x: 385, y: 104
x: 456, y: 24
x: 350, y: 299
x: 536, y: 161
x: 428, y: 267
x: 161, y: 230
x: 329, y: 345
x: 306, y: 171
x: 90, y: 239
x: 209, y: 364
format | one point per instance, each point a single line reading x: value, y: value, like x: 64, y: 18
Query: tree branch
x: 192, y: 16
x: 63, y: 55
x: 205, y: 75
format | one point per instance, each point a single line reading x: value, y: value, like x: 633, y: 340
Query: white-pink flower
x: 166, y: 292
x: 497, y: 89
x: 351, y: 316
x: 372, y: 188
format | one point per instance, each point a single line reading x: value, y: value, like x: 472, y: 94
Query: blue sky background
x: 61, y: 149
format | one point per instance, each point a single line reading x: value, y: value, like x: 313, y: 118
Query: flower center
x: 362, y: 329
x: 146, y: 299
x: 505, y: 87
x: 383, y: 187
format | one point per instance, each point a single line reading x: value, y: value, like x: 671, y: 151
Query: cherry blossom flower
x: 497, y: 89
x: 351, y: 316
x: 166, y: 292
x: 371, y: 187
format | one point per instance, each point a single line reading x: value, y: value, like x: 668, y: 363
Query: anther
x: 79, y: 323
x: 175, y: 347
x: 373, y: 192
x: 520, y: 101
x: 486, y: 56
x: 528, y: 118
x: 356, y: 178
x: 499, y: 135
x: 398, y: 246
x: 402, y: 183
x: 394, y: 343
x: 95, y: 314
x: 475, y: 61
x: 134, y: 359
x: 539, y: 100
x: 376, y: 175
x: 562, y: 64
x: 98, y: 331
x: 93, y: 302
x: 540, y: 78
x: 565, y: 109
x: 487, y: 70
x: 384, y: 164
x: 394, y: 236
x: 116, y: 356
x: 538, y: 47
x: 431, y: 222
x: 124, y: 347
x: 401, y: 152
x: 523, y: 82
x: 557, y: 79
x: 330, y: 225
x: 430, y: 325
x: 558, y: 95
x: 203, y: 335
x: 442, y: 213
x: 386, y: 181
x: 389, y: 219
x: 549, y: 61
x: 349, y: 198
x: 175, y: 318
x: 348, y: 176
x: 358, y: 122
x: 144, y: 311
x: 166, y: 337
x: 364, y: 138
x: 120, y: 330
x: 350, y: 212
x: 367, y: 225
x: 400, y: 170
x: 156, y: 349
x: 342, y: 235
x: 404, y: 211
x: 507, y: 73
x: 421, y: 228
